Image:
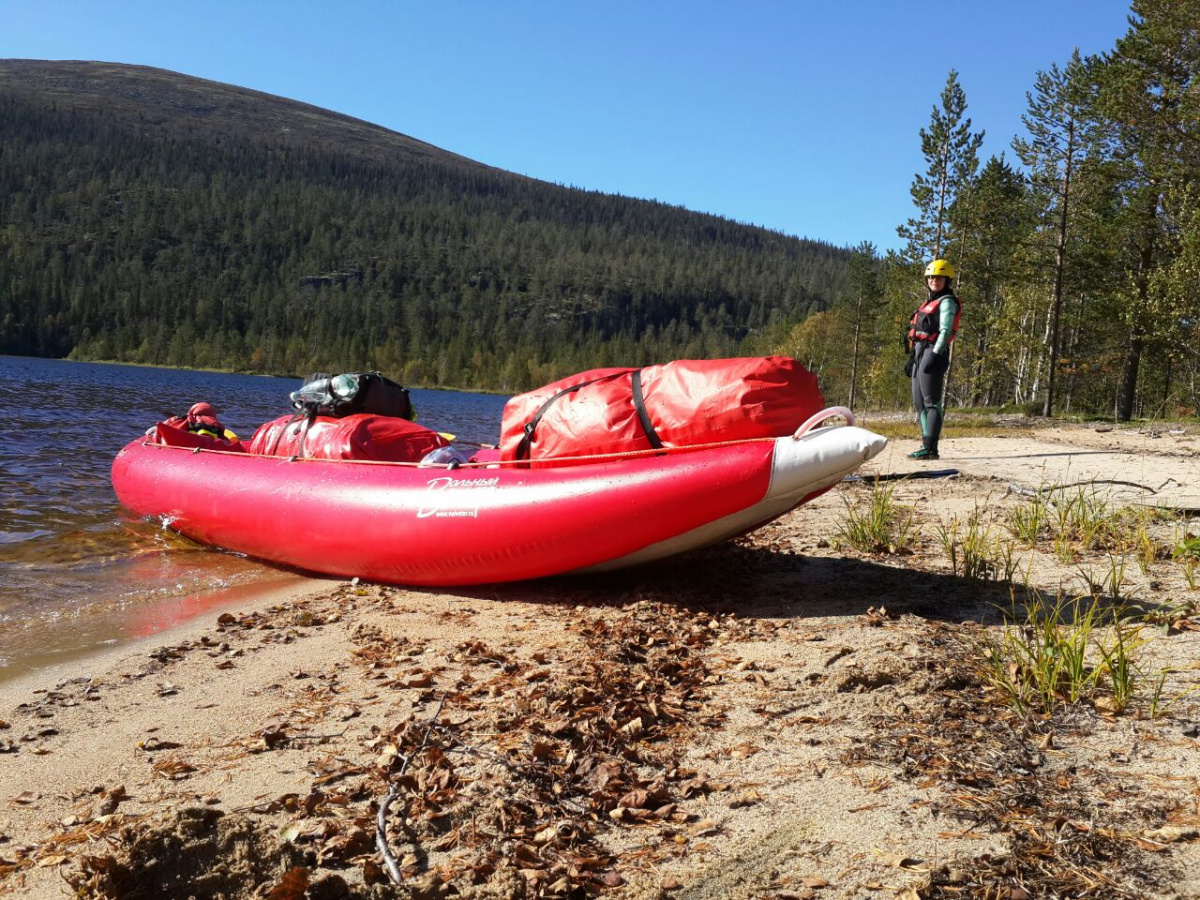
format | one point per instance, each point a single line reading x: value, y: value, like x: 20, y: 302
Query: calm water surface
x: 76, y: 571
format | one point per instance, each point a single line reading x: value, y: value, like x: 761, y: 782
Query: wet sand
x: 87, y: 635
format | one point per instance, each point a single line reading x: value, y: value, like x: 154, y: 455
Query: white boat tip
x: 874, y: 446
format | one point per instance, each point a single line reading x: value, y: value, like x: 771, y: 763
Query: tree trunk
x: 1060, y: 255
x: 979, y: 379
x: 854, y: 363
x: 1167, y: 387
x: 1127, y: 391
x: 1076, y: 337
x: 1128, y: 387
x: 942, y: 188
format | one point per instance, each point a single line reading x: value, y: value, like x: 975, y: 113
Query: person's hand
x: 938, y: 362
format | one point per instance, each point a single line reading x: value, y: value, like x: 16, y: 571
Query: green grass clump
x: 1191, y: 575
x: 1145, y: 548
x: 1028, y: 522
x: 883, y: 526
x: 1063, y: 652
x: 1082, y: 521
x: 1160, y: 701
x: 1085, y: 519
x: 1110, y: 583
x: 1187, y: 547
x: 1186, y: 552
x: 975, y: 552
x: 1074, y: 650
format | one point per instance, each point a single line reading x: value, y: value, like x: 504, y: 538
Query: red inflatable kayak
x: 398, y: 523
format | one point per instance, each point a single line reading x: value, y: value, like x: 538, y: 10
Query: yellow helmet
x: 939, y: 267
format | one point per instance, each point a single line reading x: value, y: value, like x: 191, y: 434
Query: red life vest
x: 178, y: 432
x: 926, y: 321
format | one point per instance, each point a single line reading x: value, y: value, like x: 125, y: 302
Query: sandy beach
x: 784, y: 716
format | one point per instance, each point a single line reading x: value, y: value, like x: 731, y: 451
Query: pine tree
x: 1057, y: 143
x: 903, y: 291
x: 951, y: 150
x: 1147, y: 100
x: 997, y: 225
x: 861, y: 307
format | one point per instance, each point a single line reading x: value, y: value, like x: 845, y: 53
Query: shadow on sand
x: 763, y: 582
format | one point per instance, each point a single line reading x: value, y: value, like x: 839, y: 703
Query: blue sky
x: 800, y: 116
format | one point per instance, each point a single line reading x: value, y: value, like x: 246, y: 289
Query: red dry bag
x: 358, y: 436
x: 677, y: 404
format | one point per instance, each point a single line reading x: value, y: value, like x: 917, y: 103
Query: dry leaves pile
x: 515, y: 771
x: 531, y: 760
x: 551, y: 763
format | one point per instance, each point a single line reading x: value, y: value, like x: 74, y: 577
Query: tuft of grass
x: 1191, y: 575
x: 1145, y: 547
x: 1006, y: 563
x: 883, y: 525
x: 1086, y: 517
x: 1081, y: 521
x: 1028, y: 521
x: 1186, y: 552
x: 975, y: 553
x: 1160, y: 702
x: 1118, y: 647
x: 1187, y: 547
x: 1043, y: 661
x: 948, y: 537
x: 1071, y: 650
x: 1111, y: 583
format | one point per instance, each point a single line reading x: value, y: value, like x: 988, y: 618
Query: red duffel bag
x: 358, y: 436
x: 677, y: 404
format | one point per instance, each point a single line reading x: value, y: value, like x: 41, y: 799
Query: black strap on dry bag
x: 639, y: 403
x: 532, y: 424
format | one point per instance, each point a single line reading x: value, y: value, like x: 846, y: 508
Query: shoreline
x: 114, y: 631
x: 136, y: 365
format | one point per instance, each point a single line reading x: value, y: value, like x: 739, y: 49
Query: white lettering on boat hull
x: 446, y: 501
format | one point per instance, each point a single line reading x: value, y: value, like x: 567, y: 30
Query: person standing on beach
x: 930, y: 335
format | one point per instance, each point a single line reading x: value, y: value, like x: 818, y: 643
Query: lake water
x: 77, y: 573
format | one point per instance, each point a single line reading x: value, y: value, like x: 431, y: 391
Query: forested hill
x: 152, y: 217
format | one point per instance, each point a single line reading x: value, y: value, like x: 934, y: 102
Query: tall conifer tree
x: 1148, y: 98
x: 861, y: 306
x: 952, y: 151
x: 1055, y: 147
x: 997, y: 223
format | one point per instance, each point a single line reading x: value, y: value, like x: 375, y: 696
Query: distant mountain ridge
x: 147, y: 216
x: 175, y: 102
